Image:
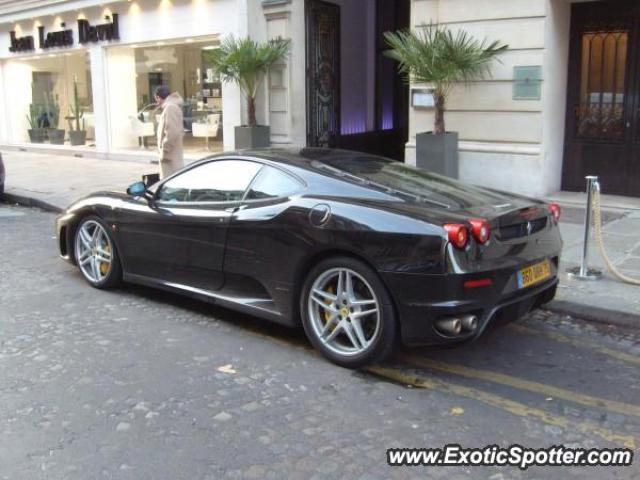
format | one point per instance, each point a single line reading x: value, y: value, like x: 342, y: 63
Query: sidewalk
x: 608, y: 299
x: 52, y: 182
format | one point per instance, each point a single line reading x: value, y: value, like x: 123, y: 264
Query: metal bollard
x: 583, y: 272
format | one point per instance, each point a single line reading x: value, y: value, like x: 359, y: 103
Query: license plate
x: 534, y: 274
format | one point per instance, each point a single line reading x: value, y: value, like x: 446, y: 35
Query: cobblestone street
x: 140, y: 384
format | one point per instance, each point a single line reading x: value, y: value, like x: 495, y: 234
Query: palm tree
x: 245, y: 62
x: 434, y: 54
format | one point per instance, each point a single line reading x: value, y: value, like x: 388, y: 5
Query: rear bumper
x: 423, y: 299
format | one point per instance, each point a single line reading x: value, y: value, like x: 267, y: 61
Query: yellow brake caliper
x: 327, y: 315
x: 104, y: 267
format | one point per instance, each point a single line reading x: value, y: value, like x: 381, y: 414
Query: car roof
x: 318, y: 167
x: 302, y: 157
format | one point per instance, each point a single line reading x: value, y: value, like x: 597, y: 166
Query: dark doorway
x: 323, y: 73
x: 603, y: 98
x: 355, y: 97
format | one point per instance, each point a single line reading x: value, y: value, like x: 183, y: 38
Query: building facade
x: 562, y: 101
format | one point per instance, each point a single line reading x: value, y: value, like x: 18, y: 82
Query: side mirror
x: 137, y: 189
x: 150, y: 179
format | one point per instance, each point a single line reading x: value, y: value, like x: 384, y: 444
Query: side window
x: 217, y: 181
x: 273, y: 183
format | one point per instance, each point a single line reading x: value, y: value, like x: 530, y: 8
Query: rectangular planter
x: 56, y: 136
x: 77, y: 137
x: 253, y: 137
x: 438, y: 153
x: 37, y: 135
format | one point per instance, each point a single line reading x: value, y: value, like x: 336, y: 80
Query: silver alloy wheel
x: 94, y: 251
x: 344, y: 311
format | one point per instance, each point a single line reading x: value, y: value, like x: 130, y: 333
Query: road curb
x: 595, y: 314
x: 29, y: 202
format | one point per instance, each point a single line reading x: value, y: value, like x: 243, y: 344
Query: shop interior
x: 52, y: 96
x: 184, y: 68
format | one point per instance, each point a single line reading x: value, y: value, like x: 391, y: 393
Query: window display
x: 184, y: 68
x: 52, y: 99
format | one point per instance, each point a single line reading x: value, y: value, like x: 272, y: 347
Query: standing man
x: 170, y: 131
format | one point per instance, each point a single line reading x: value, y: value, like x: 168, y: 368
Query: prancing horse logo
x: 529, y: 228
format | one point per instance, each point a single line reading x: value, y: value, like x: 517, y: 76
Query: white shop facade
x: 93, y: 66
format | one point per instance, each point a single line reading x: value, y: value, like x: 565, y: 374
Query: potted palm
x: 52, y: 107
x: 245, y: 62
x: 437, y: 56
x: 77, y: 135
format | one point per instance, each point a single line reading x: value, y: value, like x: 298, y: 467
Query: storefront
x: 81, y: 79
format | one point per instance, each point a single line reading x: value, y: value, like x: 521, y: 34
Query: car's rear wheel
x: 96, y: 254
x: 347, y: 312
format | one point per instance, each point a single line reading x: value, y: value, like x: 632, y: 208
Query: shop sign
x: 21, y: 44
x: 62, y: 38
x: 106, y: 31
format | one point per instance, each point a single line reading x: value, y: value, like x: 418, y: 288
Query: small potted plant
x: 37, y: 122
x: 436, y: 56
x: 52, y: 107
x: 77, y: 135
x: 246, y: 62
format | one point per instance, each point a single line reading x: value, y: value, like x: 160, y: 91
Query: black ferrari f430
x: 358, y: 249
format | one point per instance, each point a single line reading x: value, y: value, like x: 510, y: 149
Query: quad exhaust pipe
x: 449, y: 326
x: 469, y: 323
x: 454, y: 326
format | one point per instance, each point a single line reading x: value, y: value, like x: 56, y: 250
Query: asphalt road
x: 139, y: 384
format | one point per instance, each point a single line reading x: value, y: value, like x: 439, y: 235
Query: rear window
x: 403, y: 180
x: 272, y: 183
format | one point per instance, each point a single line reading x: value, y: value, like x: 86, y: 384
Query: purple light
x: 350, y: 126
x: 387, y: 112
x: 387, y: 121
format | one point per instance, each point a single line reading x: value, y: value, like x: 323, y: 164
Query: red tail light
x: 480, y: 229
x: 482, y: 282
x: 555, y: 210
x: 458, y: 234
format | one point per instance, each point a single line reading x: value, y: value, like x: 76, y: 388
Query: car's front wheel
x: 96, y: 254
x: 347, y: 312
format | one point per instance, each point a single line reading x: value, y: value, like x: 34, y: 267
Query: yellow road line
x: 559, y: 337
x: 496, y: 401
x: 531, y: 386
x: 502, y: 403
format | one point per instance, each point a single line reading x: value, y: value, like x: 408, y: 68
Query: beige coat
x: 170, y: 133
